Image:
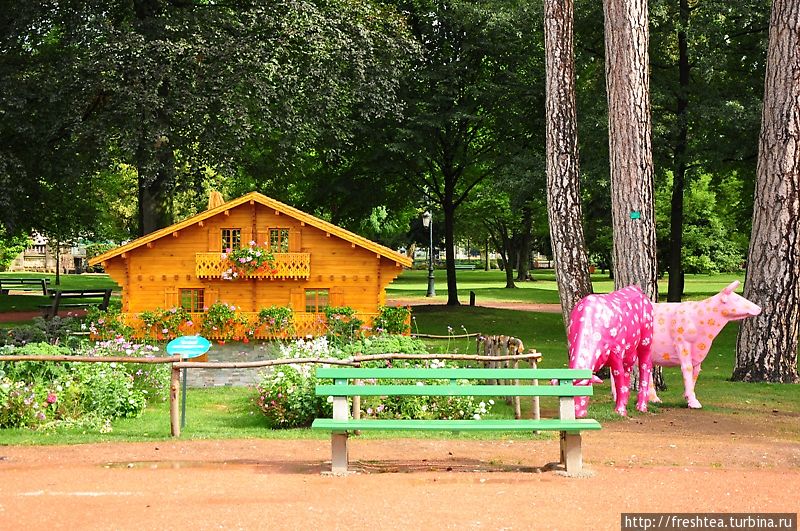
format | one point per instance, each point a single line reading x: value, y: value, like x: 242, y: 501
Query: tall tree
x: 563, y: 174
x: 766, y: 348
x: 470, y: 103
x: 630, y: 149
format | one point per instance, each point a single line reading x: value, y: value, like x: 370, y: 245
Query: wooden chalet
x: 317, y: 264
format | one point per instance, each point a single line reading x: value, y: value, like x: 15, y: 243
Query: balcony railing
x: 287, y: 265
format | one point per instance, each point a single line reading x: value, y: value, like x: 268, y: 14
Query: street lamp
x: 427, y: 222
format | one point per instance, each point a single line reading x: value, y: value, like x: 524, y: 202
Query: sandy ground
x: 680, y: 460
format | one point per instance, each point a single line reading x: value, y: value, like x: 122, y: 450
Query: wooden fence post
x: 174, y: 386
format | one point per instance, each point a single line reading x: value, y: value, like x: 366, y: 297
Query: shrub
x: 107, y: 324
x: 57, y: 330
x: 276, y: 320
x: 392, y: 320
x: 343, y: 325
x: 286, y: 397
x: 166, y: 324
x: 221, y: 321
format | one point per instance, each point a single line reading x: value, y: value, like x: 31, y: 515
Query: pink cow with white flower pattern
x: 683, y: 332
x: 615, y: 329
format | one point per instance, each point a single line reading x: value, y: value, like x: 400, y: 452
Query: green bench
x: 347, y: 383
x: 24, y: 284
x: 468, y: 267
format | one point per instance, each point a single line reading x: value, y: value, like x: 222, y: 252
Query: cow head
x: 735, y: 307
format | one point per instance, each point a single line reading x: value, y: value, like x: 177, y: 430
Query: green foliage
x: 342, y: 324
x: 57, y: 330
x: 96, y: 249
x: 286, y: 397
x: 108, y: 324
x: 11, y: 247
x: 392, y: 320
x: 221, y: 320
x: 166, y: 323
x: 276, y: 320
x: 49, y: 394
x: 383, y: 344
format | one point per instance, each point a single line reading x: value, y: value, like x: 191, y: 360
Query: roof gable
x: 283, y: 208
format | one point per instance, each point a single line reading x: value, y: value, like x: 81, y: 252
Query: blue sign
x: 188, y: 346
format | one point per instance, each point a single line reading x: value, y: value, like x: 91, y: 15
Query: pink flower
x: 51, y: 398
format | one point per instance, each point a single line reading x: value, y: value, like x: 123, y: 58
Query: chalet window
x: 317, y: 300
x: 279, y: 240
x: 231, y: 239
x: 192, y: 299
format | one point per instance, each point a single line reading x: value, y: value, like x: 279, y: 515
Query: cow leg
x: 651, y: 395
x: 687, y: 370
x: 694, y: 403
x: 622, y: 382
x: 645, y: 376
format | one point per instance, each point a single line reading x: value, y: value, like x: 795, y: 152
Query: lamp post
x: 427, y: 222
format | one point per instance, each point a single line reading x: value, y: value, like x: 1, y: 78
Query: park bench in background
x: 342, y: 388
x: 57, y: 298
x: 468, y: 267
x: 24, y: 284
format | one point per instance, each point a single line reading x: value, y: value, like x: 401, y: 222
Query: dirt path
x: 680, y: 460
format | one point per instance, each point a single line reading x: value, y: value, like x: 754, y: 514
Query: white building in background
x: 41, y: 257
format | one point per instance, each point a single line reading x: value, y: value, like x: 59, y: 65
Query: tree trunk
x: 675, y: 289
x: 58, y: 262
x: 524, y: 250
x: 766, y: 348
x: 630, y: 149
x: 449, y: 209
x: 563, y: 174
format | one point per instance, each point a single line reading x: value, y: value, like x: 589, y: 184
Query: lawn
x: 31, y: 302
x: 490, y: 286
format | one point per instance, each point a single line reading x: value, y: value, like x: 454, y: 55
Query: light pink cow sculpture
x: 683, y: 332
x: 615, y: 329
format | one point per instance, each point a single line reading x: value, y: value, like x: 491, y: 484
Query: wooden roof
x: 299, y: 215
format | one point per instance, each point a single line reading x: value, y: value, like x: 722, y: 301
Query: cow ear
x: 731, y: 287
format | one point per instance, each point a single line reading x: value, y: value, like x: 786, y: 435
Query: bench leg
x: 571, y: 456
x: 339, y: 453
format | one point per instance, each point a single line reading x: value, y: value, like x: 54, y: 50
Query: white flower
x: 330, y: 400
x: 491, y: 402
x: 476, y: 416
x: 424, y: 407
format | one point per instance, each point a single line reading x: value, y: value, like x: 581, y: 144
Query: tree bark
x: 524, y: 250
x: 630, y: 149
x: 563, y: 172
x: 449, y: 208
x: 766, y: 348
x: 675, y: 289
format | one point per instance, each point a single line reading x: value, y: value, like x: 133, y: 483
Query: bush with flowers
x: 276, y: 321
x: 107, y: 324
x: 392, y: 320
x: 286, y: 394
x: 43, y: 395
x: 248, y: 261
x: 166, y: 323
x: 223, y: 321
x: 342, y: 324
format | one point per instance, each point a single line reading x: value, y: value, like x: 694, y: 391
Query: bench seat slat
x: 456, y: 425
x: 454, y: 390
x: 449, y: 374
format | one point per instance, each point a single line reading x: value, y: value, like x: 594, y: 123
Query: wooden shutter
x: 297, y: 299
x: 171, y: 297
x: 262, y: 238
x: 337, y: 296
x: 295, y: 240
x: 214, y: 240
x: 210, y: 296
x: 247, y: 237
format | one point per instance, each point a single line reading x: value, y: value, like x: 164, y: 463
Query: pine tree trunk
x: 766, y: 348
x: 563, y: 174
x: 630, y: 149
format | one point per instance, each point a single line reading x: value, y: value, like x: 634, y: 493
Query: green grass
x: 490, y: 286
x: 31, y: 302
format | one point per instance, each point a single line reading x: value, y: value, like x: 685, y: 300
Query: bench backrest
x: 450, y: 382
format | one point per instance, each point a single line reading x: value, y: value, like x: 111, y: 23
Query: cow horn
x: 732, y: 286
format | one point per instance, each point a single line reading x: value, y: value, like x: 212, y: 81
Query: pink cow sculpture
x: 683, y: 332
x: 615, y: 329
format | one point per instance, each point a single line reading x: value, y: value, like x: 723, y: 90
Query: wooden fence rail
x: 177, y: 365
